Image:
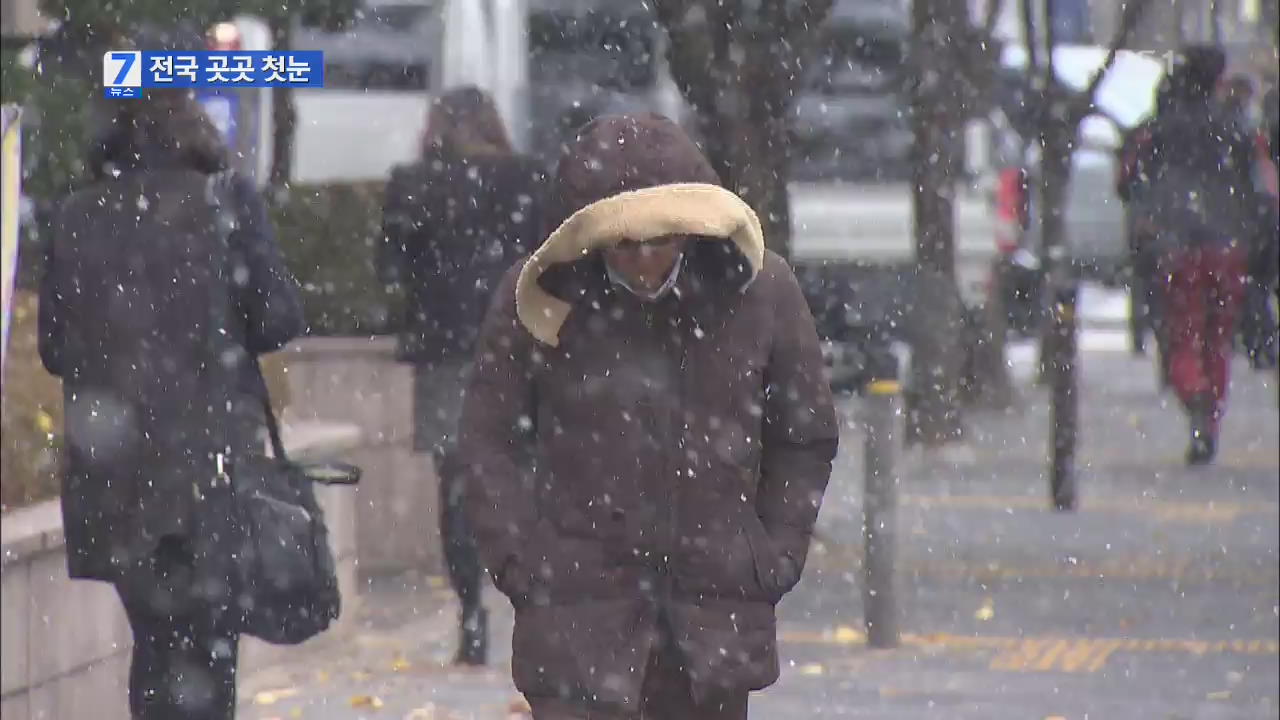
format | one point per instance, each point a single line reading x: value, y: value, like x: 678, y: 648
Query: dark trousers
x: 460, y: 554
x: 1257, y: 322
x: 666, y: 695
x: 1204, y: 293
x: 184, y: 657
x: 438, y: 394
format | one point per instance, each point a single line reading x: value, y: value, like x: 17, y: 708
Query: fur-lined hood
x: 692, y: 209
x: 636, y: 178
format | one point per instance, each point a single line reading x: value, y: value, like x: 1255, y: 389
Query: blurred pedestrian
x: 1237, y: 100
x: 1146, y: 308
x: 1257, y: 321
x: 1196, y: 172
x: 162, y: 281
x: 454, y: 221
x: 662, y: 368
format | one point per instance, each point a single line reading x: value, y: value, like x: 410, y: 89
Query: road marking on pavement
x: 1181, y: 569
x: 1119, y: 460
x: 1062, y: 655
x: 1046, y: 653
x: 1211, y: 511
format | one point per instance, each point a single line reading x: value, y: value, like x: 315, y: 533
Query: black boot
x: 1204, y: 445
x: 473, y: 638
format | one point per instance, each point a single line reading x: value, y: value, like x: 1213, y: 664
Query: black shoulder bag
x: 288, y: 581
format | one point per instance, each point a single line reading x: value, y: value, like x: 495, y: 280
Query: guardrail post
x: 881, y: 413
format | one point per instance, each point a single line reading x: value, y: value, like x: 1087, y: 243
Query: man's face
x: 646, y: 266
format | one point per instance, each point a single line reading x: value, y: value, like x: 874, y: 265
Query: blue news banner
x: 127, y: 73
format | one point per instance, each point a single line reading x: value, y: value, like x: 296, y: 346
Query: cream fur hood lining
x: 638, y: 215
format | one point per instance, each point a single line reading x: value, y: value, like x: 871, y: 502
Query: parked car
x: 850, y: 117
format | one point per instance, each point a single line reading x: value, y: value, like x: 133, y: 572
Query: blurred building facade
x: 21, y: 18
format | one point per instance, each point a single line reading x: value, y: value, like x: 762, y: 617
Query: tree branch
x: 1133, y: 12
x: 1030, y: 38
x: 992, y: 17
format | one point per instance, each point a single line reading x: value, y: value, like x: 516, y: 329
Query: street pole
x: 1066, y: 399
x: 1058, y: 130
x: 881, y: 410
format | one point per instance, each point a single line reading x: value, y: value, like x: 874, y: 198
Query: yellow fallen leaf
x: 1219, y: 695
x: 987, y: 611
x: 366, y: 701
x: 889, y: 692
x: 812, y: 669
x: 435, y: 581
x: 360, y: 676
x: 846, y: 635
x: 426, y: 712
x: 399, y: 665
x: 295, y: 713
x: 271, y: 697
x: 322, y: 676
x: 1054, y: 717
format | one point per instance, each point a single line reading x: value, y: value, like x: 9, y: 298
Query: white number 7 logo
x: 122, y: 69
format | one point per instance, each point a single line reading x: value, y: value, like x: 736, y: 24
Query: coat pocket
x: 559, y: 569
x: 776, y: 573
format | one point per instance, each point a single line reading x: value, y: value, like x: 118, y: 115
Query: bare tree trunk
x: 987, y: 383
x: 739, y: 70
x: 761, y: 164
x: 1270, y: 12
x: 937, y: 317
x: 283, y: 117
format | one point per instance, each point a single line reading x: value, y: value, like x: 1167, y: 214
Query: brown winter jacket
x: 680, y: 449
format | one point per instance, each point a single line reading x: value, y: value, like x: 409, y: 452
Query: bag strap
x: 220, y: 190
x: 269, y: 415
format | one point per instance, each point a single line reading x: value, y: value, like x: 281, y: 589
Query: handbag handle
x: 269, y: 416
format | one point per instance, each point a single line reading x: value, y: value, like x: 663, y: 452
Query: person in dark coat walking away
x: 1197, y: 172
x: 453, y: 222
x: 661, y: 368
x: 1257, y: 321
x: 154, y: 344
x: 1144, y: 291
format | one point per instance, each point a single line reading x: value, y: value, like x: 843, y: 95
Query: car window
x: 851, y: 62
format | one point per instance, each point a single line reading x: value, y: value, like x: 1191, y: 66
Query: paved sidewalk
x: 1158, y: 599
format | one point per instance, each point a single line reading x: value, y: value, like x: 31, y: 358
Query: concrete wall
x: 64, y: 645
x: 358, y: 381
